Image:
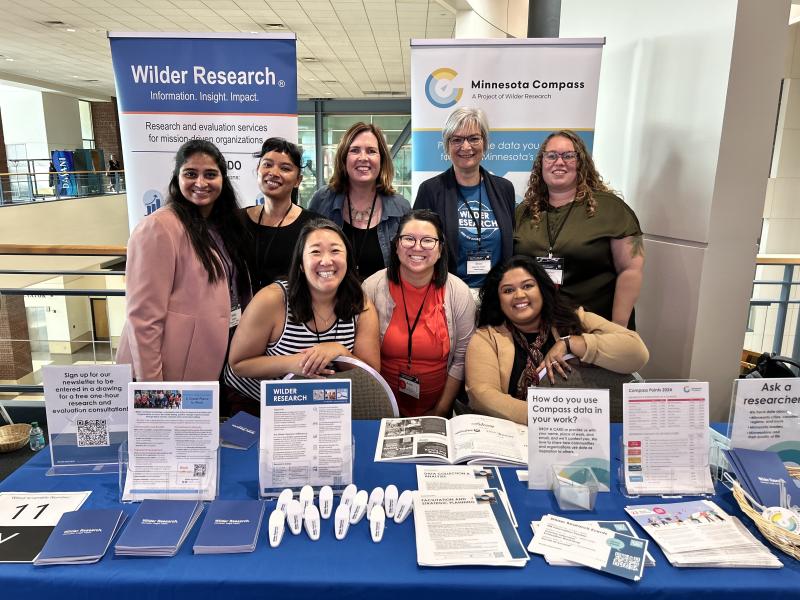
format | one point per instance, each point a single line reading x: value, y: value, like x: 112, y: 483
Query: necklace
x: 325, y: 322
x: 361, y: 216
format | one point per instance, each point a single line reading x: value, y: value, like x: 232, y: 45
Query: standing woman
x: 276, y: 225
x: 427, y: 317
x: 360, y: 198
x: 587, y: 239
x: 476, y: 207
x: 186, y: 277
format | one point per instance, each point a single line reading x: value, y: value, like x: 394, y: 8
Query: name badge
x: 479, y: 263
x: 409, y: 385
x: 553, y: 266
x: 236, y: 316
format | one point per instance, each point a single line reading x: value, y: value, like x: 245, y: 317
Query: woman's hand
x: 315, y: 360
x: 554, y: 361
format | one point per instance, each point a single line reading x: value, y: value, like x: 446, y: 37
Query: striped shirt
x: 294, y: 338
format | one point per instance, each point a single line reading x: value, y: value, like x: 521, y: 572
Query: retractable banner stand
x: 527, y: 87
x: 234, y: 90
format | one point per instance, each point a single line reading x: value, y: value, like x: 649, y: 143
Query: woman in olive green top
x: 587, y: 239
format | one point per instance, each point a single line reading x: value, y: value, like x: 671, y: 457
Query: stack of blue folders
x: 230, y: 526
x: 158, y: 528
x: 240, y: 431
x: 762, y: 474
x: 81, y: 537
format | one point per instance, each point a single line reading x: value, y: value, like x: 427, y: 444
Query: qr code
x: 92, y: 433
x: 199, y: 470
x: 626, y: 561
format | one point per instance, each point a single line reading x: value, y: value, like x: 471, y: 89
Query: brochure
x: 87, y: 416
x: 615, y: 526
x: 468, y: 439
x: 28, y: 518
x: 81, y: 537
x: 763, y: 475
x: 306, y: 434
x: 173, y: 441
x: 230, y: 526
x: 589, y: 545
x: 700, y: 534
x: 158, y: 528
x: 240, y: 431
x: 568, y: 427
x: 465, y: 528
x: 665, y: 438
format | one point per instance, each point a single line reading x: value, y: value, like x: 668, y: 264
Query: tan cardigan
x: 490, y: 358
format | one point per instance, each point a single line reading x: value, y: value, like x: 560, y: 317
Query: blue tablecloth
x: 356, y: 567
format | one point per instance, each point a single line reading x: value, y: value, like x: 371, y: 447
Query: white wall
x: 23, y: 120
x: 685, y: 120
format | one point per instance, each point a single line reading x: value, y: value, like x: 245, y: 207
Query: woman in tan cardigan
x: 525, y: 326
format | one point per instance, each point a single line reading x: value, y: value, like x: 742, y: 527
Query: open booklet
x: 470, y: 439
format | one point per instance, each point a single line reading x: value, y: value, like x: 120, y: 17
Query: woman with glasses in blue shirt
x: 586, y: 238
x: 476, y: 207
x: 426, y: 318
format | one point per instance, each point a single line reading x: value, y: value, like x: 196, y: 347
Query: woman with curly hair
x: 586, y: 238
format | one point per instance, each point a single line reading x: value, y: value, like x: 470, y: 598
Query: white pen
x: 341, y: 521
x: 284, y: 498
x: 325, y: 501
x: 405, y: 504
x: 377, y: 522
x: 277, y: 524
x: 359, y: 507
x: 311, y: 522
x: 390, y: 499
x: 294, y: 516
x: 306, y: 497
x: 375, y: 499
x: 348, y: 494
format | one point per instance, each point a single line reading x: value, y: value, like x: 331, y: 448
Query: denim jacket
x: 329, y: 203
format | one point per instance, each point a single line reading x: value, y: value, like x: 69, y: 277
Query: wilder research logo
x: 439, y: 88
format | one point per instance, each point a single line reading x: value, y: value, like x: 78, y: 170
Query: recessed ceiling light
x: 273, y: 26
x: 10, y: 59
x: 71, y: 30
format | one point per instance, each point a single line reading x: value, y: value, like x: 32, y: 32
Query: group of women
x: 360, y: 274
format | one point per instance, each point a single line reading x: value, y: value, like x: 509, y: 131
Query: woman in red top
x: 426, y: 318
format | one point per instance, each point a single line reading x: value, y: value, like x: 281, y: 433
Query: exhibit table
x: 356, y: 567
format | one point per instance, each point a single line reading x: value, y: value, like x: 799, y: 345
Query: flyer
x: 306, y: 434
x: 764, y: 416
x: 173, y: 441
x: 568, y: 427
x: 87, y: 416
x: 665, y: 438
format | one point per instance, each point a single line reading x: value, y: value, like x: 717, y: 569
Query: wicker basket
x: 786, y: 541
x: 14, y: 437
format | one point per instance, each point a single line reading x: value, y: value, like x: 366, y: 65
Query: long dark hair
x: 557, y: 311
x: 440, y: 268
x: 350, y: 299
x: 225, y: 218
x: 295, y: 154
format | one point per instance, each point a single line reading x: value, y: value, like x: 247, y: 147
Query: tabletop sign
x: 764, y: 416
x: 87, y: 416
x: 567, y: 427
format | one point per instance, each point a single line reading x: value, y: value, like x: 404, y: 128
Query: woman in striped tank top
x: 301, y: 325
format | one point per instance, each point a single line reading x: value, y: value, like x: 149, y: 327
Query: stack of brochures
x: 230, y: 526
x: 158, y: 528
x: 466, y: 528
x: 699, y: 533
x: 470, y: 439
x: 81, y: 537
x: 763, y: 476
x: 603, y: 548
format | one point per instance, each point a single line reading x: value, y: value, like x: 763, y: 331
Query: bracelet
x: 565, y: 339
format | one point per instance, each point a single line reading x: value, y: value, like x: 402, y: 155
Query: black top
x: 273, y: 248
x: 521, y: 359
x: 366, y: 248
x: 440, y: 194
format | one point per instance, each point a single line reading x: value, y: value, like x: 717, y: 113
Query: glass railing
x: 42, y: 186
x: 773, y: 324
x: 57, y: 315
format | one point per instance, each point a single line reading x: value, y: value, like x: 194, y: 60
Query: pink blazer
x: 177, y: 325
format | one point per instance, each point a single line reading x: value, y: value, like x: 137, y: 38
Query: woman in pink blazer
x: 186, y: 276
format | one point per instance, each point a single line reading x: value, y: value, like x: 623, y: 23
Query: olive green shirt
x: 584, y: 243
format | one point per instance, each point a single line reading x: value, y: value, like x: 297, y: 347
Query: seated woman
x: 301, y: 326
x: 525, y: 325
x: 427, y: 317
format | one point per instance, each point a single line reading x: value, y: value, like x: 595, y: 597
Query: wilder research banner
x: 527, y: 87
x: 232, y: 89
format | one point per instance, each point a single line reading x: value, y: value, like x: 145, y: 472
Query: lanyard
x: 550, y: 237
x: 471, y: 213
x: 411, y: 328
x: 271, y: 239
x: 360, y: 249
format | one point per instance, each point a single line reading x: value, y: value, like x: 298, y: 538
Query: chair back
x: 372, y: 398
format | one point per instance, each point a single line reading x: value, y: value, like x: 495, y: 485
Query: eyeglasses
x: 473, y: 140
x: 427, y: 243
x: 569, y: 156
